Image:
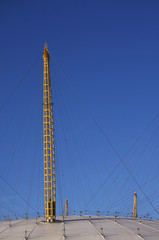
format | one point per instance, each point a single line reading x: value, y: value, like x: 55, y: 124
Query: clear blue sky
x: 109, y: 52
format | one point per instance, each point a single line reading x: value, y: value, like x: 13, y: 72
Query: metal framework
x: 49, y: 149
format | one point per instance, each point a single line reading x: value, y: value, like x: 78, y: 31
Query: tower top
x: 46, y: 51
x: 45, y: 46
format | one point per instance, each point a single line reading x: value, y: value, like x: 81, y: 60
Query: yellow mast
x: 66, y: 207
x: 49, y: 149
x: 135, y: 206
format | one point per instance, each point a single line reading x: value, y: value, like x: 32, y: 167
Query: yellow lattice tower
x: 135, y: 206
x: 49, y: 149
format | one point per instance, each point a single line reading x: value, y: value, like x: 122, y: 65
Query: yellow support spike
x: 66, y: 208
x: 49, y: 149
x: 135, y: 206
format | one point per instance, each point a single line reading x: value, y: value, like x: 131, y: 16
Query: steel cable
x: 109, y: 141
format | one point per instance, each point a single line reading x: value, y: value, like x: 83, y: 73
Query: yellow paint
x: 66, y: 208
x: 49, y: 149
x: 135, y: 206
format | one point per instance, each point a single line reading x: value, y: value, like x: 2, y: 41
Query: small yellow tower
x: 66, y: 208
x: 135, y: 206
x: 49, y: 149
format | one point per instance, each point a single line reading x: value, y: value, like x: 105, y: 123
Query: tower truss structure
x: 49, y: 148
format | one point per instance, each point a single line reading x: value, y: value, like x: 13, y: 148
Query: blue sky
x: 109, y: 53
